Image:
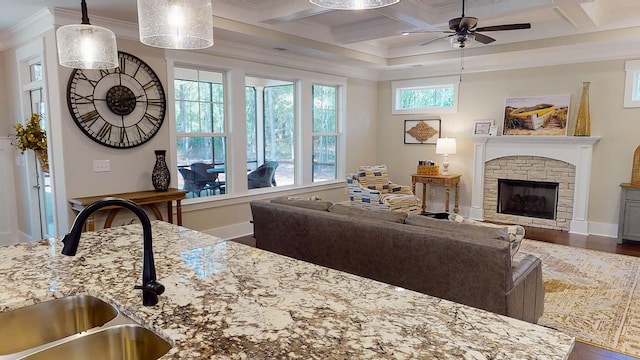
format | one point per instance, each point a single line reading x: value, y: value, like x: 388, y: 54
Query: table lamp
x: 446, y: 146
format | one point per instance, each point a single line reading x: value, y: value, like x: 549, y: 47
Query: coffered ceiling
x: 589, y: 29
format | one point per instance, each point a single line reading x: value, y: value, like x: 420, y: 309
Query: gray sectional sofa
x: 463, y: 263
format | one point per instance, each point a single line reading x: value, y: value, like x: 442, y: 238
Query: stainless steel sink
x: 48, y: 321
x: 121, y: 342
x: 75, y: 327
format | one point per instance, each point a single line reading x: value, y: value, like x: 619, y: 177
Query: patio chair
x: 191, y: 183
x: 201, y: 174
x: 263, y: 176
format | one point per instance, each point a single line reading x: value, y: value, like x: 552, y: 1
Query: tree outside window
x: 325, y: 135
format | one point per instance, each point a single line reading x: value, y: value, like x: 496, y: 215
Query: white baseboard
x: 231, y: 231
x: 603, y: 229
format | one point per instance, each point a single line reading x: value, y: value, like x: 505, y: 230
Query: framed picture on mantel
x: 482, y: 127
x: 536, y: 115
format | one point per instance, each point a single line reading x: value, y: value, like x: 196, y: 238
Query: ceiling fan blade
x: 434, y: 40
x: 505, y: 27
x: 483, y: 38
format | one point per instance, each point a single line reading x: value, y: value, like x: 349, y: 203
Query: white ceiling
x: 372, y: 38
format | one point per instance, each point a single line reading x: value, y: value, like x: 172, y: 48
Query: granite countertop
x: 226, y: 300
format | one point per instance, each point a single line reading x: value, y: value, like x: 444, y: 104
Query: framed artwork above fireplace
x: 536, y: 115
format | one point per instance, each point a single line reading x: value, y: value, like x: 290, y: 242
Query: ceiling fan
x: 464, y: 30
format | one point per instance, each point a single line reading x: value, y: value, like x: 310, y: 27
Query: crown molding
x: 34, y: 26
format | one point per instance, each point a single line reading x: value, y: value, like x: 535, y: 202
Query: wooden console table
x: 446, y: 180
x: 148, y: 198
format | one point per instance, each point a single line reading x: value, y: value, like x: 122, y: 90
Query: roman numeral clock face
x: 120, y: 108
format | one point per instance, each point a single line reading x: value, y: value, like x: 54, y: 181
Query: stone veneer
x: 532, y: 168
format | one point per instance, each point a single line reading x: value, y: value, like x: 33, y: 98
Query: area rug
x: 591, y: 295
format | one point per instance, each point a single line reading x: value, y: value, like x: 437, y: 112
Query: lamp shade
x: 353, y: 4
x: 176, y: 24
x: 446, y: 146
x: 85, y: 46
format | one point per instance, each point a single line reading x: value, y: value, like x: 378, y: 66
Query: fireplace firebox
x: 537, y: 199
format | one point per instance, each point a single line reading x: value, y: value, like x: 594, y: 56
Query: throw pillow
x: 314, y: 202
x: 373, y: 177
x: 392, y: 216
x: 516, y: 232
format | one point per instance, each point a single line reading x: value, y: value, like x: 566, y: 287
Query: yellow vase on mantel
x: 583, y: 121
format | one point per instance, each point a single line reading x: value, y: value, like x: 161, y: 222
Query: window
x: 435, y: 95
x: 325, y: 135
x: 632, y: 84
x: 252, y: 134
x: 200, y: 131
x: 270, y: 131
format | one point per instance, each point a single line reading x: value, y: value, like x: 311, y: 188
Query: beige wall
x: 482, y: 96
x: 131, y: 168
x: 4, y: 105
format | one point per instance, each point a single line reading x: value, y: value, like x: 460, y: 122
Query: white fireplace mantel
x: 576, y: 150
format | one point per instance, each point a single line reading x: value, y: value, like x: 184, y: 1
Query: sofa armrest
x: 525, y: 301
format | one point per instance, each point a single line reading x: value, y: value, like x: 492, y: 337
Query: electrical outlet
x: 432, y: 193
x: 101, y: 165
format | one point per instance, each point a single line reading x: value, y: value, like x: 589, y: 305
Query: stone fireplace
x: 561, y: 160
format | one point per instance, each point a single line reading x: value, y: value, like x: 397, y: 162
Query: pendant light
x: 86, y: 46
x: 176, y: 24
x: 353, y: 4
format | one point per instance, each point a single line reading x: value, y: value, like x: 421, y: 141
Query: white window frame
x: 336, y: 133
x: 400, y: 85
x: 236, y: 71
x: 631, y: 93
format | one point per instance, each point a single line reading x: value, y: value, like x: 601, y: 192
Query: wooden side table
x: 446, y: 180
x: 148, y: 198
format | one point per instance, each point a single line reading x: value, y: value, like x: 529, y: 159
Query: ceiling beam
x: 289, y: 11
x: 573, y: 12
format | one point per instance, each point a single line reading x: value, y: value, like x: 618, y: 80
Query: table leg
x: 91, y: 225
x: 179, y: 212
x: 170, y: 211
x: 424, y: 197
x: 447, y: 193
x: 455, y: 209
x: 110, y: 217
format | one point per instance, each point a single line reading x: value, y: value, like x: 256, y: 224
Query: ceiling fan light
x: 176, y: 24
x: 353, y: 4
x: 461, y: 41
x: 85, y: 46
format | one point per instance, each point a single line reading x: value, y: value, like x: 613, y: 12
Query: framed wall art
x: 536, y: 115
x: 482, y: 127
x: 421, y: 131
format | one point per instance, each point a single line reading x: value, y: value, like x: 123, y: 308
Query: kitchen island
x: 225, y: 300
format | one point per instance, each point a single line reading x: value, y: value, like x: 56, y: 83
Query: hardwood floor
x: 581, y: 350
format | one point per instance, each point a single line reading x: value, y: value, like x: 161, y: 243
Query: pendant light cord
x: 85, y: 15
x: 461, y: 63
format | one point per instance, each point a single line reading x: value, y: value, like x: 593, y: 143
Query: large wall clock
x: 120, y: 108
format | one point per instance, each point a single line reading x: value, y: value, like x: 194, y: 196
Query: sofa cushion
x: 460, y: 228
x: 516, y: 232
x: 393, y: 216
x: 314, y: 203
